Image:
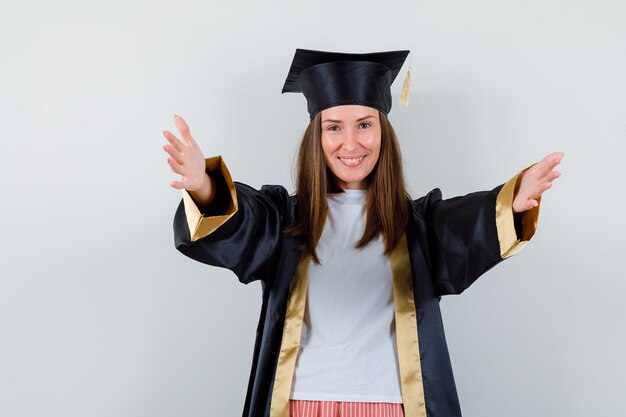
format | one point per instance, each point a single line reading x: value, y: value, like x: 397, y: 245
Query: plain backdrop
x: 101, y: 316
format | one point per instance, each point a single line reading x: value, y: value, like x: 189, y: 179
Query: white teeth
x: 352, y: 161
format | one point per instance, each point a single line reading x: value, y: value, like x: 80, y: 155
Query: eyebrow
x: 340, y: 121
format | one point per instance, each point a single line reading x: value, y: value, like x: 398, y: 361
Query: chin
x: 353, y: 183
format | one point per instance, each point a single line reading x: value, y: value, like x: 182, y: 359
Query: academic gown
x: 447, y: 245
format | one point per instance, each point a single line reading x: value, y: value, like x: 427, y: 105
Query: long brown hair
x: 387, y: 200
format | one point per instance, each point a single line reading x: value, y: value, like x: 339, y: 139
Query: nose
x: 350, y: 141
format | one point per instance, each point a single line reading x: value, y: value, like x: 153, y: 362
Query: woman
x: 351, y: 268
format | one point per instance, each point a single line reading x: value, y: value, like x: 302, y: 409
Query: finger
x: 183, y: 128
x: 554, y: 156
x: 174, y: 140
x: 177, y: 184
x: 174, y: 153
x: 553, y: 175
x: 560, y: 156
x: 548, y: 163
x: 550, y: 176
x: 541, y: 189
x: 531, y: 203
x: 176, y: 167
x: 524, y: 205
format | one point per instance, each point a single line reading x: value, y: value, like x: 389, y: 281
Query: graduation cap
x: 329, y: 79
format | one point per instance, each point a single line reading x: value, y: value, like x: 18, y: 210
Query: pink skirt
x: 306, y: 408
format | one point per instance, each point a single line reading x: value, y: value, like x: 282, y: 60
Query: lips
x: 351, y: 162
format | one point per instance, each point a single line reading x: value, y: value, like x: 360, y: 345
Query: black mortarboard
x: 329, y: 79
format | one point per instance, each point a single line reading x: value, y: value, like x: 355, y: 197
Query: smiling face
x: 351, y: 137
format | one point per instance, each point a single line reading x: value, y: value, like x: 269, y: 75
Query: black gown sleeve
x: 241, y: 229
x: 469, y: 235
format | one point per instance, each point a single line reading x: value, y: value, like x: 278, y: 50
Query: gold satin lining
x: 509, y: 245
x: 200, y: 225
x: 290, y: 345
x: 406, y: 336
x: 409, y: 360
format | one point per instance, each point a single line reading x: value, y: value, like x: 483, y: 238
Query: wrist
x: 204, y: 195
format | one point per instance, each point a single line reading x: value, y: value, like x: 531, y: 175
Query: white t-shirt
x: 348, y: 345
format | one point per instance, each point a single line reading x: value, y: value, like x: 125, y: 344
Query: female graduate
x: 352, y: 269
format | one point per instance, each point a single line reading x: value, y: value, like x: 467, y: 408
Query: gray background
x: 100, y: 316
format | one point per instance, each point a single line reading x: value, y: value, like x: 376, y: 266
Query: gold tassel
x: 406, y: 86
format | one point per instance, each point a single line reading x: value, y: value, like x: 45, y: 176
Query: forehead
x: 349, y: 112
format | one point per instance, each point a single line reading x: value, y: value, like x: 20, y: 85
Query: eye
x: 333, y: 128
x: 364, y: 125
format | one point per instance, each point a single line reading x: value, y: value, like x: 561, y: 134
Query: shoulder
x: 271, y: 196
x: 278, y: 194
x: 421, y: 206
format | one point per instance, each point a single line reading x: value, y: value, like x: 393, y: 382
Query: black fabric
x: 329, y: 79
x: 222, y: 199
x: 517, y: 220
x: 451, y: 243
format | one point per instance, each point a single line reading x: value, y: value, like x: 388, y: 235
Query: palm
x: 534, y: 181
x: 186, y: 158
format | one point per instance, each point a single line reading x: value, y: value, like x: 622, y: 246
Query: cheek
x: 329, y: 145
x: 374, y: 144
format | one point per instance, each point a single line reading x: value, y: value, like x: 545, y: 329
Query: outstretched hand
x: 534, y: 181
x: 186, y: 160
